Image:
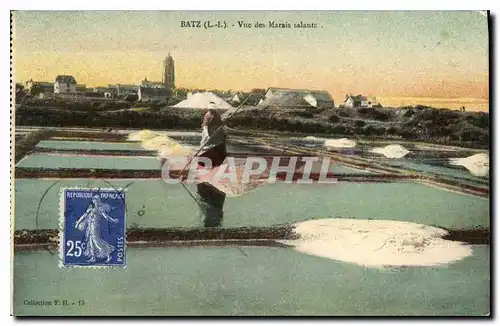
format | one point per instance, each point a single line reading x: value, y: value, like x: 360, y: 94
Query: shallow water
x: 192, y: 140
x: 56, y: 161
x: 437, y: 170
x: 86, y: 145
x: 114, y: 130
x: 69, y: 161
x: 267, y: 281
x: 153, y: 203
x: 433, y: 162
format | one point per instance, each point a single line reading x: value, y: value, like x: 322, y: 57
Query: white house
x: 148, y: 94
x: 359, y: 101
x: 64, y: 84
x: 236, y: 98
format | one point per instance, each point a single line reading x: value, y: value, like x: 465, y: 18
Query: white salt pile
x: 339, y: 143
x: 391, y: 151
x: 142, y: 135
x: 157, y: 142
x: 202, y: 101
x: 377, y: 243
x: 478, y: 164
x: 176, y: 150
x: 312, y: 138
x: 311, y: 141
x: 164, y: 146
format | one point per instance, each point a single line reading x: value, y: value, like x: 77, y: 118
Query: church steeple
x: 169, y: 72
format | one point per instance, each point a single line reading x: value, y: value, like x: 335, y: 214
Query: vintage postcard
x: 250, y: 163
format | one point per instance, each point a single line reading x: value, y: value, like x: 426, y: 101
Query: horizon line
x: 468, y: 98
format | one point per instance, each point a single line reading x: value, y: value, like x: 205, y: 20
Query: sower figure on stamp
x: 213, y: 140
x: 95, y: 247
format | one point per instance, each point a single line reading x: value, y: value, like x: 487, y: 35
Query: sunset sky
x: 440, y: 56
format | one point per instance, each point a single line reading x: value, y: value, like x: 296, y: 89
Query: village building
x: 149, y: 94
x: 151, y: 84
x: 248, y: 98
x: 317, y: 99
x: 359, y: 101
x: 100, y: 89
x: 81, y: 88
x: 64, y: 84
x: 47, y: 88
x: 123, y: 89
x: 236, y: 98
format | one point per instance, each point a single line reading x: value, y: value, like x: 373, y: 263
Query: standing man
x: 213, y: 142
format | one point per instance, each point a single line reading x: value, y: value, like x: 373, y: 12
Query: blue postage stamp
x: 92, y: 227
